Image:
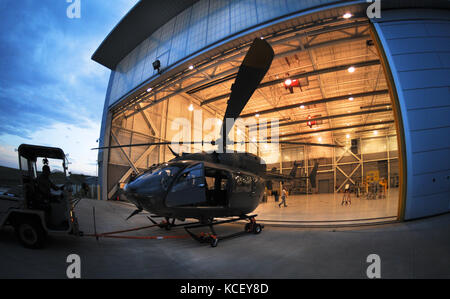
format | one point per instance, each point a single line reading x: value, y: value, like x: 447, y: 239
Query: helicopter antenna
x: 173, y: 152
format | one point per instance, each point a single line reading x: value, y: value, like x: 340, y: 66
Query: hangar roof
x: 148, y: 16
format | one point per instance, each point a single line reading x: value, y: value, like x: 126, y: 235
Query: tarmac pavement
x: 415, y: 249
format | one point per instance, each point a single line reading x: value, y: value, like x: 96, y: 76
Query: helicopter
x: 292, y: 177
x: 289, y: 183
x: 206, y: 186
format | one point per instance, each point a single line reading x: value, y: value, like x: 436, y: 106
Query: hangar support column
x: 103, y: 155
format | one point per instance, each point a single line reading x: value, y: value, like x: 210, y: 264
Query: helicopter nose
x: 127, y: 188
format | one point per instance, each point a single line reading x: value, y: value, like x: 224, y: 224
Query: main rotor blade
x: 286, y: 142
x: 214, y: 143
x: 153, y: 143
x: 251, y: 72
x: 308, y: 143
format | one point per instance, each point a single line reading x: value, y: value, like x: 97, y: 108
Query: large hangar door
x: 416, y: 46
x: 344, y: 98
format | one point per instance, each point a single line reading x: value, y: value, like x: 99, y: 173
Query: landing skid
x: 213, y: 239
x: 167, y: 223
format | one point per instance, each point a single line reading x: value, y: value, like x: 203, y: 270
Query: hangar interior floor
x: 319, y: 209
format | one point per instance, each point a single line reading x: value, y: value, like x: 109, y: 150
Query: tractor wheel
x: 31, y: 234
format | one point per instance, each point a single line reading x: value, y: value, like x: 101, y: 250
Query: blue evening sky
x: 51, y: 92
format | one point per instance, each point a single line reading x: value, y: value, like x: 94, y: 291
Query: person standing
x: 275, y: 195
x: 283, y: 198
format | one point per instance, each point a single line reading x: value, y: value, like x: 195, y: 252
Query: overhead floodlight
x: 191, y: 107
x: 288, y: 82
x: 351, y: 69
x: 351, y: 99
x: 302, y: 107
x: 347, y: 15
x: 347, y: 136
x: 150, y: 89
x: 191, y: 67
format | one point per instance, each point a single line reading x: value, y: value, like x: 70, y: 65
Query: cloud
x: 8, y: 156
x: 78, y: 145
x: 48, y: 81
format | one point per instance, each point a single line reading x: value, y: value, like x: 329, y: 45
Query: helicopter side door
x: 189, y: 188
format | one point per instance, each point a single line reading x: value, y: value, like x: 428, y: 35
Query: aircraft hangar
x: 377, y: 86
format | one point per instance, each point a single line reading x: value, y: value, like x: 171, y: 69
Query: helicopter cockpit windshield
x: 156, y: 178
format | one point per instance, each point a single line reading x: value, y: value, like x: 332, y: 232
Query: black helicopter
x: 205, y: 186
x: 292, y: 177
x: 290, y: 180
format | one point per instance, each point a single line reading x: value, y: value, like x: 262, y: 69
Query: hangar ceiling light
x: 347, y: 15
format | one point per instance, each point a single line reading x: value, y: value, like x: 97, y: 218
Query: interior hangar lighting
x: 290, y: 84
x: 347, y: 15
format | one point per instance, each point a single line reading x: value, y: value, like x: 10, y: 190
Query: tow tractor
x: 32, y: 216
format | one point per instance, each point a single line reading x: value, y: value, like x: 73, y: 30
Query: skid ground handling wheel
x: 213, y: 239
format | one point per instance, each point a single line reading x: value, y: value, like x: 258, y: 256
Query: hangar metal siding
x: 417, y: 45
x: 205, y: 23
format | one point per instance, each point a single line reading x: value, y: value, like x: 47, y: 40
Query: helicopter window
x: 192, y: 176
x: 168, y: 171
x: 217, y: 184
x: 223, y: 184
x: 210, y: 183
